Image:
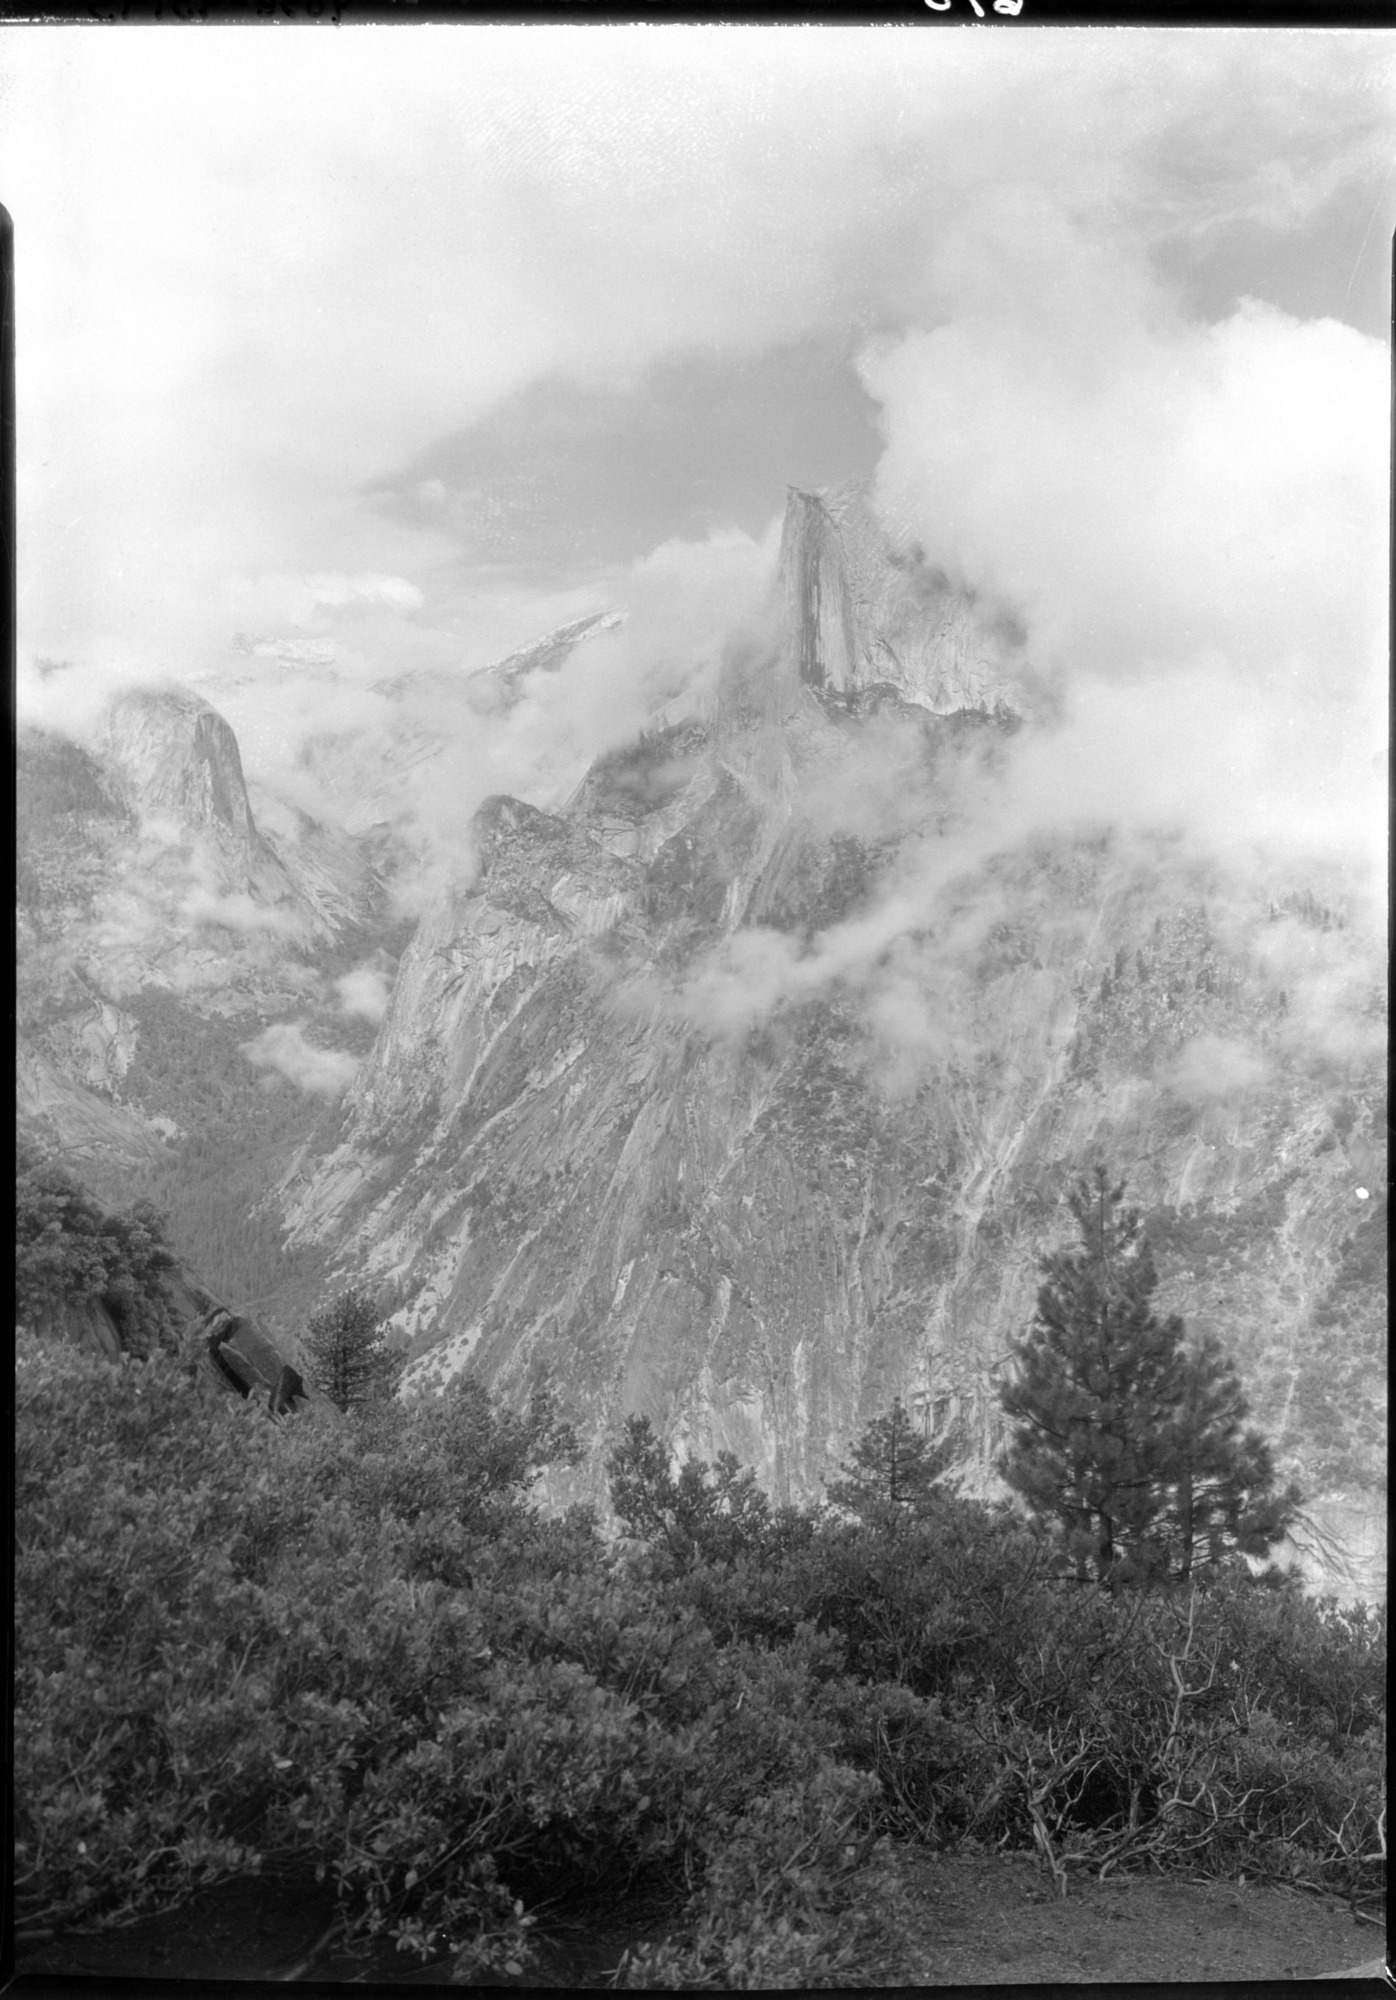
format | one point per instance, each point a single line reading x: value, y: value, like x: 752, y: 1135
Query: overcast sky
x: 416, y: 342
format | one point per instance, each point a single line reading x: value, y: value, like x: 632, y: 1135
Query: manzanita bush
x: 242, y: 1643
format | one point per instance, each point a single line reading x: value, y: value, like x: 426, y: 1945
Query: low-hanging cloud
x: 1184, y: 494
x: 208, y: 900
x: 1189, y: 521
x: 426, y: 750
x: 364, y: 991
x: 283, y: 1049
x: 1212, y: 1068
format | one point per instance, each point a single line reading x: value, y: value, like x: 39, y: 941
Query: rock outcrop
x: 288, y: 1394
x: 230, y: 1354
x: 79, y: 1323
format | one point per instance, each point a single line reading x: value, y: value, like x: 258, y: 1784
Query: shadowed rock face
x: 231, y: 1354
x: 815, y: 575
x: 289, y: 1393
x: 81, y: 1323
x: 97, y: 1323
x: 652, y: 1113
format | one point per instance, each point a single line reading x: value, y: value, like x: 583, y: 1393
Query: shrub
x: 702, y: 1514
x: 223, y: 1643
x: 360, y: 1646
x: 69, y: 1248
x: 139, y: 1733
x: 792, y: 1897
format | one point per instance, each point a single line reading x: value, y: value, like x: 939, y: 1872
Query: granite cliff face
x: 864, y: 607
x: 144, y: 875
x: 743, y: 1091
x: 175, y: 761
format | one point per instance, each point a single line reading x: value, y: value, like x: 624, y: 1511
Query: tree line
x: 1129, y: 1446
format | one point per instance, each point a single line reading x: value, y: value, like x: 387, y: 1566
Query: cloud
x: 1139, y: 791
x: 394, y: 591
x: 283, y: 1048
x: 265, y: 273
x: 364, y: 991
x: 1202, y: 754
x: 425, y: 750
x: 1211, y: 1068
x: 313, y: 602
x: 1335, y: 979
x: 235, y: 910
x: 579, y: 473
x: 1150, y: 497
x: 279, y: 291
x: 72, y: 696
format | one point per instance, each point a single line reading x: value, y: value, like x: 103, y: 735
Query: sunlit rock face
x: 744, y: 1092
x: 864, y: 608
x: 176, y: 762
x: 178, y: 755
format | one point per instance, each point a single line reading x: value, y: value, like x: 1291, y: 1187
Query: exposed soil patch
x: 979, y: 1920
x: 994, y: 1920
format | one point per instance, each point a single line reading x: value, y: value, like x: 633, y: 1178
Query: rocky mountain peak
x: 543, y: 656
x: 180, y: 757
x: 863, y: 609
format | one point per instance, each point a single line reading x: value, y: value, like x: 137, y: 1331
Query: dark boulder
x: 289, y: 1391
x: 230, y: 1354
x: 234, y: 1375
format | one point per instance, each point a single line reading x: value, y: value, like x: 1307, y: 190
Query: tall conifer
x: 1133, y: 1446
x: 892, y: 1467
x: 347, y: 1353
x: 1223, y: 1496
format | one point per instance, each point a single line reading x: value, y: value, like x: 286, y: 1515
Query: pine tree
x: 347, y: 1352
x: 709, y: 1513
x: 892, y: 1469
x: 1098, y: 1378
x: 1223, y: 1497
x: 1132, y: 1445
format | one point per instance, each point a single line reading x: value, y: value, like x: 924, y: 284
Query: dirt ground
x: 993, y: 1920
x: 982, y: 1920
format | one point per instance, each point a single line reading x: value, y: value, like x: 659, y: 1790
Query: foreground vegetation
x: 241, y: 1643
x: 71, y: 1251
